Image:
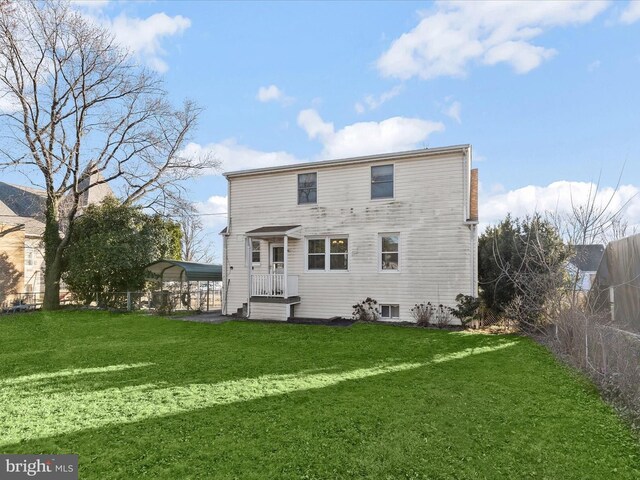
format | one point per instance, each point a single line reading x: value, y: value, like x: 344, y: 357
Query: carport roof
x: 176, y: 270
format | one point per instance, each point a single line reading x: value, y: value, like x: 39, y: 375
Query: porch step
x: 289, y: 300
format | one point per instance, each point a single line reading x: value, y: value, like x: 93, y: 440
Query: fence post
x: 128, y: 301
x: 612, y: 303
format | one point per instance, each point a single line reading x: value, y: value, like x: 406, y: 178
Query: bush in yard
x: 422, y: 313
x: 366, y: 311
x: 522, y: 258
x: 428, y: 314
x: 442, y: 316
x: 467, y: 308
x: 112, y: 243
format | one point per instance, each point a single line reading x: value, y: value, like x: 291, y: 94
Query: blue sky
x: 547, y: 93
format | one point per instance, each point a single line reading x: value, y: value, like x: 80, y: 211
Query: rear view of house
x: 313, y: 239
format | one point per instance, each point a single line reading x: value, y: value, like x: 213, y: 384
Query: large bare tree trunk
x: 52, y: 258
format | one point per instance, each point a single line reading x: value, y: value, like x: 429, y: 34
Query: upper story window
x: 382, y: 181
x: 30, y: 258
x: 328, y: 254
x: 307, y: 188
x: 389, y: 252
x: 255, y: 251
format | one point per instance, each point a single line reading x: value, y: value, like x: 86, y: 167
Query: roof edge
x: 350, y: 160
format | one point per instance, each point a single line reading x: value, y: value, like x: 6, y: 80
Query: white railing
x: 272, y: 285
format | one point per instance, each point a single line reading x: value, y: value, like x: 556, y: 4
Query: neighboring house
x: 313, y: 239
x: 21, y: 231
x: 22, y: 228
x: 584, y: 264
x: 616, y: 286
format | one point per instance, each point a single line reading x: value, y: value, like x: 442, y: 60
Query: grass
x: 144, y: 397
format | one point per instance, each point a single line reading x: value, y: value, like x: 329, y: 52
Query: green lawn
x: 143, y: 397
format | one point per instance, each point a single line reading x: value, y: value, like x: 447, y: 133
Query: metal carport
x: 169, y: 270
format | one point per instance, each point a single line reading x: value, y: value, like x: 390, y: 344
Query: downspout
x: 248, y: 264
x: 474, y: 260
x: 471, y: 214
x: 225, y: 247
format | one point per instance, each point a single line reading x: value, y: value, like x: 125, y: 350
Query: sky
x: 548, y: 93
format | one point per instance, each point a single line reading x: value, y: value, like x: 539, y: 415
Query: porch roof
x: 270, y: 231
x: 177, y: 270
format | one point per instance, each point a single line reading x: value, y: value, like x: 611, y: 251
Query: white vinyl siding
x: 435, y: 254
x: 268, y: 311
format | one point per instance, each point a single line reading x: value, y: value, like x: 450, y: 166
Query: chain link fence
x: 161, y: 301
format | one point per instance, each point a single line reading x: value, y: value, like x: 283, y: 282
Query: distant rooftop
x: 23, y: 201
x: 587, y: 257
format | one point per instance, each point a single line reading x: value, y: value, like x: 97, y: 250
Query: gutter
x: 428, y: 152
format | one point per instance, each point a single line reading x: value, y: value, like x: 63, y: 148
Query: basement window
x: 390, y: 312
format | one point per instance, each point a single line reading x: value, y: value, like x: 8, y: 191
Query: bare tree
x: 196, y: 247
x: 81, y: 113
x: 595, y: 220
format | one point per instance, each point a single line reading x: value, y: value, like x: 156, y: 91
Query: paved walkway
x: 208, y: 317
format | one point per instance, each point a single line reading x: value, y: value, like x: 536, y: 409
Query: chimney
x: 473, y: 200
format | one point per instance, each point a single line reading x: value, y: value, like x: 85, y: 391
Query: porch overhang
x: 275, y: 231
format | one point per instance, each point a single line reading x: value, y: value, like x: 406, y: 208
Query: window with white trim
x: 307, y: 188
x: 338, y: 254
x: 390, y: 311
x: 31, y: 258
x: 255, y: 251
x: 389, y: 252
x: 382, y: 181
x: 328, y: 254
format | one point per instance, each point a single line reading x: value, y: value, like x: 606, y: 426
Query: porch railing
x: 272, y: 285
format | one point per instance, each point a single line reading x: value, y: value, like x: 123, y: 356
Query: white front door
x: 276, y: 258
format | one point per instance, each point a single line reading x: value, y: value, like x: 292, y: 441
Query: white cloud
x: 457, y: 33
x: 391, y: 135
x: 593, y: 66
x: 270, y: 93
x: 371, y: 102
x: 454, y: 110
x: 144, y: 36
x: 234, y: 156
x: 312, y: 123
x: 214, y: 211
x: 632, y: 13
x: 90, y: 4
x: 8, y: 103
x: 558, y: 197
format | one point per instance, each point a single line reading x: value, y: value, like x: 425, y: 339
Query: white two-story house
x: 312, y: 239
